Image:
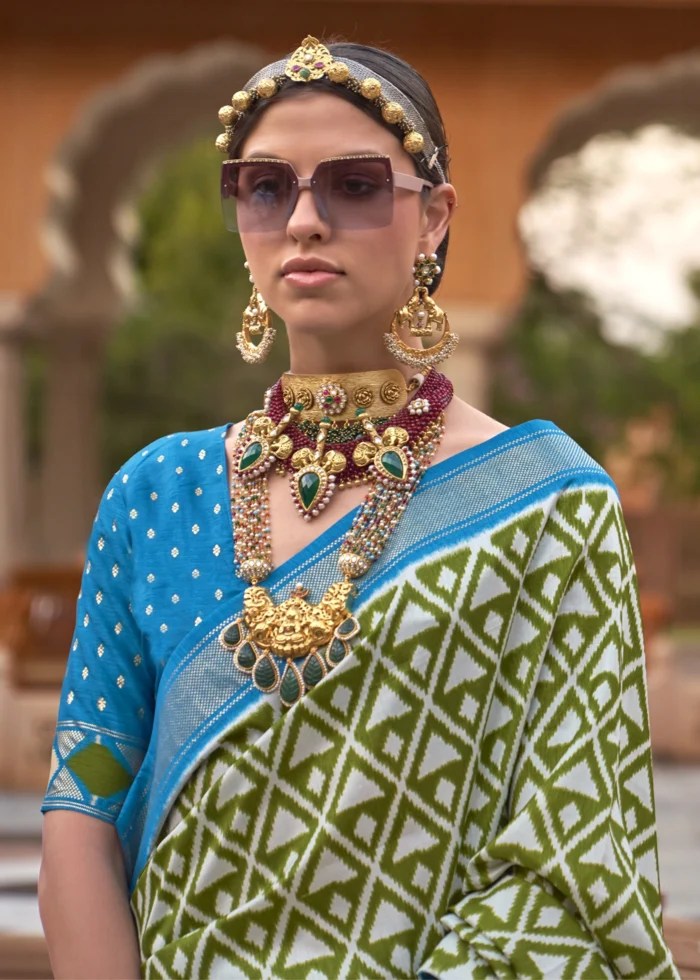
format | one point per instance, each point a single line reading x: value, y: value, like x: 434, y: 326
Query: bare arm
x: 84, y: 900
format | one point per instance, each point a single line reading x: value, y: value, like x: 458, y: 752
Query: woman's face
x: 374, y: 265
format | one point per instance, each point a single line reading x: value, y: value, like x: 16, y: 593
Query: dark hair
x: 400, y: 74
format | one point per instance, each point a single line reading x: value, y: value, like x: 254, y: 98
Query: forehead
x: 313, y: 125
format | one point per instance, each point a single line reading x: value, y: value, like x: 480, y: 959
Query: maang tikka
x: 257, y: 319
x: 422, y: 316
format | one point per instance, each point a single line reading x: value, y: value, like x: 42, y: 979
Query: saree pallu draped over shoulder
x: 468, y: 794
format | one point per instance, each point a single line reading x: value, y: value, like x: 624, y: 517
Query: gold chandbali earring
x: 422, y: 316
x: 257, y: 319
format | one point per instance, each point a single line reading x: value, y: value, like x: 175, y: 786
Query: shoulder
x: 532, y: 452
x: 172, y: 460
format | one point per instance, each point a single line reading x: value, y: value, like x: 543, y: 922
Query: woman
x: 395, y: 731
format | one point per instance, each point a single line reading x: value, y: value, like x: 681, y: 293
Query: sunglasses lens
x: 257, y: 196
x: 355, y: 193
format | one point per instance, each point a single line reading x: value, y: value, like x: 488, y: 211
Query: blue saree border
x: 495, y: 470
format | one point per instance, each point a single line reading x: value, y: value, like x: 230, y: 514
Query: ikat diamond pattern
x: 467, y: 795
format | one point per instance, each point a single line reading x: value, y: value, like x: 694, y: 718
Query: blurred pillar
x: 70, y: 480
x: 12, y: 444
x: 479, y: 329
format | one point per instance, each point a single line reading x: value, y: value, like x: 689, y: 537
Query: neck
x: 315, y: 355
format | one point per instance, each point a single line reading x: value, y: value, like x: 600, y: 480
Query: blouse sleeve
x: 107, y: 700
x: 568, y: 885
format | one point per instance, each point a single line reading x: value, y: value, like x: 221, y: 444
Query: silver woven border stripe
x: 390, y: 91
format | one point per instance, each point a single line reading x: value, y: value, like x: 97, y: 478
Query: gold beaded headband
x: 312, y: 61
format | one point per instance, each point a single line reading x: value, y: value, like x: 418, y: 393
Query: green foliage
x: 172, y: 364
x: 679, y: 370
x: 556, y: 364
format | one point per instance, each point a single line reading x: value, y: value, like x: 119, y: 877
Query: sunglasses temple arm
x: 410, y: 183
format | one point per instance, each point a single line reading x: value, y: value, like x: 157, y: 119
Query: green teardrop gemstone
x: 299, y: 406
x: 393, y: 464
x: 337, y: 651
x: 250, y: 456
x: 305, y: 73
x: 246, y: 657
x: 232, y: 636
x: 313, y: 672
x: 290, y: 689
x: 347, y: 627
x: 309, y: 485
x: 264, y: 674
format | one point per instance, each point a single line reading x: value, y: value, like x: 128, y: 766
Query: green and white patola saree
x: 468, y: 794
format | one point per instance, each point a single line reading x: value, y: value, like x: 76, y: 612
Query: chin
x: 313, y: 316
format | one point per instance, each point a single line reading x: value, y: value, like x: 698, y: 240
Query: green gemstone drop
x: 264, y: 674
x: 299, y: 406
x: 305, y: 73
x: 313, y: 672
x: 232, y: 636
x: 250, y: 456
x: 309, y: 486
x: 347, y: 627
x: 337, y: 651
x: 290, y: 689
x: 246, y: 657
x: 393, y: 464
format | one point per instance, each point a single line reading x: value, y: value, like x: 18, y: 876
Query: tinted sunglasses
x: 260, y: 194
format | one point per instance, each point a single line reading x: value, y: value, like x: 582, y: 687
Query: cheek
x: 388, y: 254
x: 264, y: 254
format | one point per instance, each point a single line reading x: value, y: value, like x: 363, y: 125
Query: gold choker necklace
x: 339, y: 396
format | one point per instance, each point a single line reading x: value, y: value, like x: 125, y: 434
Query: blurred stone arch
x: 640, y: 216
x: 88, y: 232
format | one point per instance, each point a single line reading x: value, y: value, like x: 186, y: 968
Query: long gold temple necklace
x: 294, y: 629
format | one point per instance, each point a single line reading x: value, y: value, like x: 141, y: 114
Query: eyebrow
x: 259, y: 154
x: 265, y: 156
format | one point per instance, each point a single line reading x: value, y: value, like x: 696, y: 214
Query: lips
x: 317, y: 277
x: 309, y: 263
x: 310, y: 271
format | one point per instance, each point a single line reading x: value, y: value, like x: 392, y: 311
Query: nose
x: 305, y: 222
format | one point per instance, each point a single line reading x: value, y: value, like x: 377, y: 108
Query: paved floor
x: 678, y: 816
x: 678, y: 823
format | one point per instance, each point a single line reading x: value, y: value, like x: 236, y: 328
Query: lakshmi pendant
x: 321, y: 634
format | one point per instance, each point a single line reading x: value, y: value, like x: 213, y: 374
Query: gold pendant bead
x: 413, y: 142
x: 371, y: 88
x: 241, y: 101
x: 338, y: 72
x: 266, y: 88
x: 227, y: 115
x: 392, y: 112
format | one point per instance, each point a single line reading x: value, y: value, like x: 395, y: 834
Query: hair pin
x: 433, y: 158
